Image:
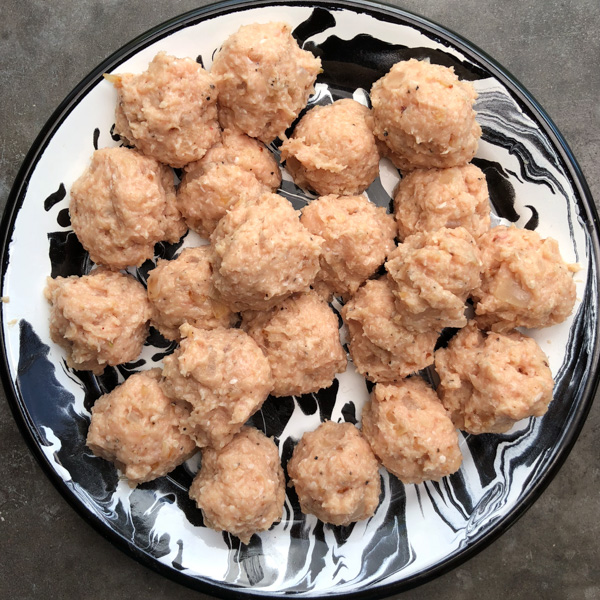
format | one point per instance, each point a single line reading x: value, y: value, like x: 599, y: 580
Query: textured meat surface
x: 241, y: 487
x: 224, y: 378
x: 122, y: 206
x: 335, y: 474
x: 358, y: 237
x: 525, y: 282
x: 410, y: 431
x: 300, y: 337
x: 169, y: 111
x: 99, y: 319
x: 137, y: 427
x: 424, y: 116
x: 488, y: 381
x: 264, y: 80
x: 262, y: 254
x: 180, y: 291
x: 333, y: 149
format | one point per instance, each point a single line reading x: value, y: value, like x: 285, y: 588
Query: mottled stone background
x: 47, y: 47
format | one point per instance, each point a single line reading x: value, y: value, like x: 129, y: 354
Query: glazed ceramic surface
x: 418, y: 530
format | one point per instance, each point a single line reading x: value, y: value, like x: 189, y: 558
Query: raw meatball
x: 237, y: 168
x: 137, y: 427
x: 181, y: 291
x: 433, y: 273
x: 122, y: 206
x: 264, y: 80
x: 410, y: 431
x: 425, y: 117
x: 99, y: 319
x: 300, y: 337
x: 333, y: 149
x: 490, y: 381
x: 168, y: 112
x: 358, y: 236
x: 525, y: 282
x: 223, y: 376
x: 262, y: 254
x: 381, y: 348
x: 335, y: 474
x: 241, y: 488
x: 429, y: 199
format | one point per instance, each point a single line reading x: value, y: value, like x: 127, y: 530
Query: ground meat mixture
x: 410, y: 431
x: 122, y: 206
x: 181, y: 291
x: 432, y: 275
x: 429, y: 199
x: 224, y: 378
x: 525, y: 282
x: 137, y: 427
x: 382, y: 349
x: 358, y: 237
x: 168, y: 112
x: 300, y: 337
x: 236, y: 169
x: 424, y: 115
x: 241, y: 487
x: 333, y: 149
x: 335, y: 474
x: 262, y: 254
x: 488, y: 381
x: 99, y: 319
x: 264, y: 80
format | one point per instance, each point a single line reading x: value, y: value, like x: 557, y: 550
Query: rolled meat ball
x: 525, y: 282
x: 122, y: 206
x: 264, y: 80
x: 180, y: 291
x: 224, y: 378
x: 382, y: 349
x: 300, y: 338
x: 262, y: 254
x: 169, y: 111
x: 99, y: 319
x: 137, y: 428
x: 358, y: 237
x: 489, y: 381
x: 424, y: 116
x: 333, y: 149
x: 432, y: 275
x: 241, y: 487
x: 238, y: 168
x: 410, y: 432
x: 335, y: 474
x: 429, y: 199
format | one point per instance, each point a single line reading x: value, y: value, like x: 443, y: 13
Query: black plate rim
x: 19, y: 188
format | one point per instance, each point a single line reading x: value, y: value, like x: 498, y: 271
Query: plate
x: 419, y: 531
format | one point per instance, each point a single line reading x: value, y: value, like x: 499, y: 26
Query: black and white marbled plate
x: 417, y: 531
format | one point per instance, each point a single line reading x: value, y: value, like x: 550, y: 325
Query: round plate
x: 417, y: 532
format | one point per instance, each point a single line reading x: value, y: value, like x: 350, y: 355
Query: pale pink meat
x: 264, y: 80
x: 300, y: 337
x: 488, y: 381
x: 169, y: 111
x: 222, y: 376
x: 358, y: 237
x: 241, y: 487
x: 138, y: 429
x: 424, y: 116
x: 122, y: 206
x: 99, y: 319
x: 335, y: 474
x: 333, y: 149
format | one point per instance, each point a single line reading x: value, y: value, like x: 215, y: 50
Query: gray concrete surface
x: 47, y: 550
